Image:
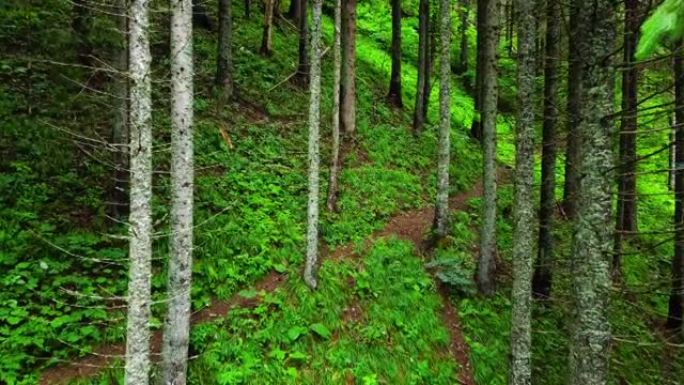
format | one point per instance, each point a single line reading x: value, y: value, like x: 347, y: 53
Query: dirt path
x: 411, y: 225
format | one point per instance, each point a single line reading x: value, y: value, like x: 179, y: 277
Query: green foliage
x: 666, y: 23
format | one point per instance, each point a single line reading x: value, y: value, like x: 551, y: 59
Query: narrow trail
x: 410, y: 225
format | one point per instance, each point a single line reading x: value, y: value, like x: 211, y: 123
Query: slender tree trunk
x: 487, y: 262
x: 266, y: 46
x: 480, y: 67
x: 675, y: 310
x: 523, y: 208
x: 224, y: 65
x: 442, y: 204
x: 120, y: 121
x: 81, y: 24
x: 462, y: 66
x: 337, y: 64
x: 590, y: 339
x: 314, y: 123
x: 348, y: 85
x: 302, y: 76
x: 248, y: 9
x: 140, y: 218
x: 177, y: 327
x: 510, y: 24
x: 547, y: 203
x: 573, y: 143
x: 294, y: 12
x: 626, y: 180
x: 394, y: 95
x: 419, y: 112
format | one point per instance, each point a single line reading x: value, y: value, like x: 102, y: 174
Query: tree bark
x: 541, y: 282
x: 248, y: 9
x: 81, y: 24
x: 573, y: 143
x: 480, y: 67
x: 119, y: 207
x: 302, y: 76
x: 224, y: 65
x: 177, y: 326
x: 137, y: 365
x: 266, y: 45
x: 294, y: 12
x: 394, y: 95
x: 419, y: 112
x: 314, y: 125
x: 462, y: 66
x: 442, y: 205
x: 335, y: 152
x: 523, y: 208
x: 487, y: 262
x: 675, y: 310
x: 591, y: 250
x: 626, y: 180
x: 348, y: 85
x: 510, y: 24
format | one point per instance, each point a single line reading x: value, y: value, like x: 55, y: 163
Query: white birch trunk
x: 177, y: 326
x: 139, y: 286
x: 314, y: 123
x: 442, y: 204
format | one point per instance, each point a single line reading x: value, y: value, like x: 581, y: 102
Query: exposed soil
x: 411, y: 225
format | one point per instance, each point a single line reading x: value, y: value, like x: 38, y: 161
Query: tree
x: 314, y: 125
x: 675, y: 310
x: 266, y: 45
x: 224, y: 57
x: 120, y: 120
x: 294, y: 12
x: 335, y: 151
x: 486, y: 263
x: 627, y: 195
x: 302, y: 75
x: 572, y: 143
x: 462, y: 65
x: 541, y: 282
x: 177, y: 326
x: 481, y: 26
x: 140, y: 219
x: 523, y: 208
x: 82, y: 25
x: 248, y: 9
x: 442, y: 204
x: 423, y: 78
x: 591, y: 249
x: 348, y: 82
x: 394, y: 95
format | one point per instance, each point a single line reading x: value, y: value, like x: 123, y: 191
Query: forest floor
x: 411, y: 225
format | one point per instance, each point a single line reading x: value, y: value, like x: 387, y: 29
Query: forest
x: 341, y: 192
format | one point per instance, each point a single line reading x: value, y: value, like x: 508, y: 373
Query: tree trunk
x: 510, y: 23
x: 335, y: 156
x: 626, y: 180
x: 591, y: 250
x: 302, y: 76
x: 224, y: 65
x: 177, y: 326
x: 462, y: 66
x: 140, y: 218
x: 348, y: 85
x: 573, y: 143
x: 314, y: 125
x: 120, y: 122
x: 676, y: 303
x: 487, y: 261
x: 82, y: 25
x: 248, y: 9
x: 442, y: 204
x: 541, y: 282
x: 294, y: 12
x: 480, y: 67
x: 523, y: 208
x: 266, y: 46
x: 394, y: 95
x: 419, y: 112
